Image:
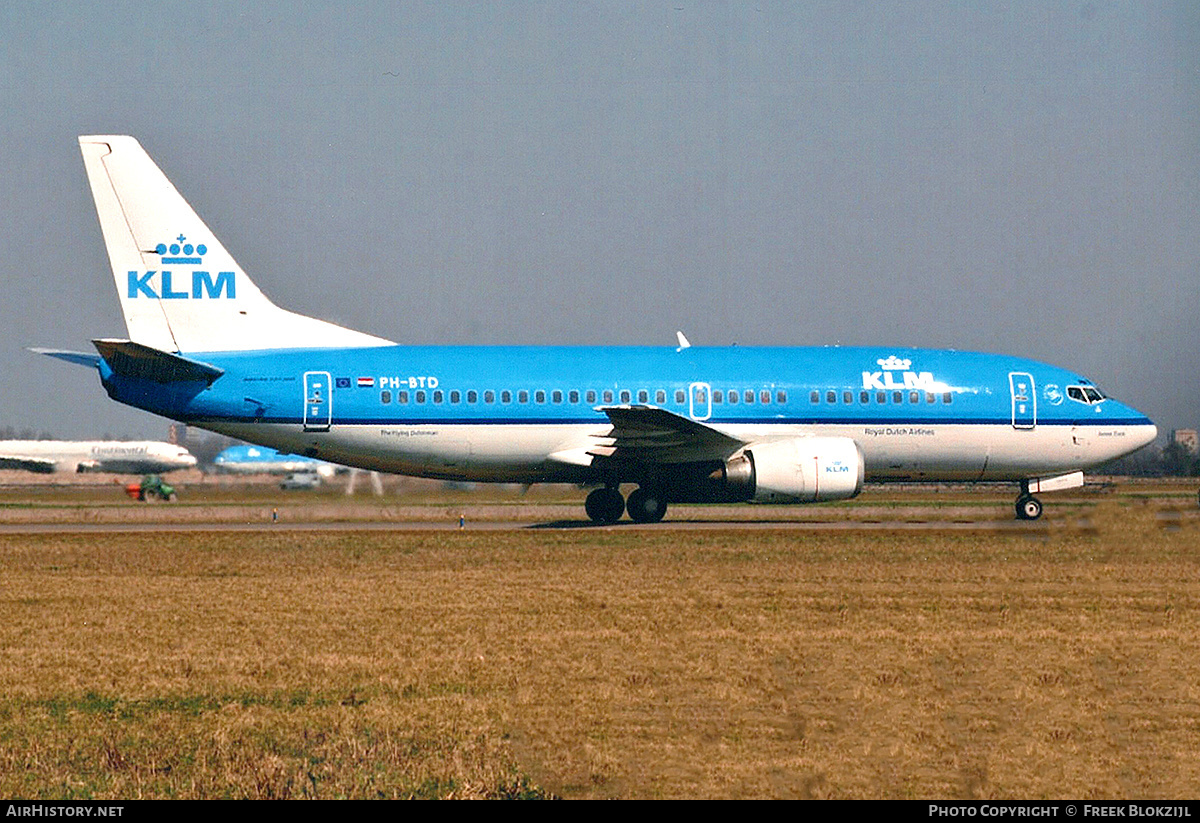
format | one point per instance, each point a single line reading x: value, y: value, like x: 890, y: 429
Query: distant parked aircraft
x: 119, y: 456
x: 262, y: 460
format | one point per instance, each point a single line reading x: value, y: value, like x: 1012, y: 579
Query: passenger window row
x: 864, y: 398
x: 747, y: 397
x: 590, y: 397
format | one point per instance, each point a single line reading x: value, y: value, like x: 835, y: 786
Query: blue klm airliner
x: 684, y: 423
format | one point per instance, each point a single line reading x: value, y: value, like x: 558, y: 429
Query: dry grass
x: 596, y: 663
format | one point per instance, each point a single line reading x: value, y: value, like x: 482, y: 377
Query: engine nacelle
x: 804, y: 469
x: 788, y: 470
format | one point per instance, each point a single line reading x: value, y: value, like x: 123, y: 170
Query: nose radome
x: 1146, y: 434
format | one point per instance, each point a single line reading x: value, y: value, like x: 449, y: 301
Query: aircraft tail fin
x: 180, y: 289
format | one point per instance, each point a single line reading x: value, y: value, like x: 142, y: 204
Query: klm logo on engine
x: 895, y: 373
x: 169, y: 284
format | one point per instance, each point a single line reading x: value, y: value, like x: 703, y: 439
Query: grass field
x: 1059, y: 661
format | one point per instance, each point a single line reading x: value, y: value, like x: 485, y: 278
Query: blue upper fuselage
x: 561, y: 384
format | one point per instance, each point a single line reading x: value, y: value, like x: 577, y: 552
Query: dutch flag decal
x: 366, y: 382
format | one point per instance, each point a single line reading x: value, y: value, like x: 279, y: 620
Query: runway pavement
x: 518, y: 525
x: 103, y: 510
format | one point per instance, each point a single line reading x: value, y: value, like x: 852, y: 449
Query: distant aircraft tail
x: 180, y: 290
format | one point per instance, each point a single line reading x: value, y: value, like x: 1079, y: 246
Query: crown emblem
x: 181, y: 251
x: 893, y: 363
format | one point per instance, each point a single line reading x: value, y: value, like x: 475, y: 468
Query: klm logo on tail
x: 186, y: 250
x: 202, y: 285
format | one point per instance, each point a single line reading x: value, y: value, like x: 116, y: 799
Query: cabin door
x: 318, y: 401
x: 699, y: 401
x: 1024, y: 400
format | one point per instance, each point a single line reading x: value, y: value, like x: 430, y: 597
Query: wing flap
x: 648, y: 434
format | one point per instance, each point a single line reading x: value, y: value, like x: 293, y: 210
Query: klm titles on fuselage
x: 885, y: 379
x: 910, y: 380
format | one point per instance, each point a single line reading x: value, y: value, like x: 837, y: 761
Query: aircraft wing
x: 27, y: 463
x: 647, y: 434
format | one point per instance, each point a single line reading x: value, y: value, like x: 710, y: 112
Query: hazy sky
x: 1020, y: 177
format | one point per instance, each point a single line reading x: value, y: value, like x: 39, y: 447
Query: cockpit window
x: 1085, y: 394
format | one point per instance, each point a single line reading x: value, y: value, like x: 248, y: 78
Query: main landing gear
x: 1028, y: 506
x: 646, y: 505
x: 606, y: 505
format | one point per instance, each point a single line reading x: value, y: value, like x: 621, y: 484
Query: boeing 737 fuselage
x: 259, y: 460
x: 776, y: 425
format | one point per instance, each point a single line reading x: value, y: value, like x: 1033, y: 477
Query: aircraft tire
x: 646, y: 506
x: 605, y: 505
x: 1028, y: 508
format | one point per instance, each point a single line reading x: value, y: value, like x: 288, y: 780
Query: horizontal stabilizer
x: 135, y: 360
x: 80, y: 358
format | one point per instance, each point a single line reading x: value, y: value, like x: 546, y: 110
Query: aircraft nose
x: 1146, y: 434
x: 1140, y: 429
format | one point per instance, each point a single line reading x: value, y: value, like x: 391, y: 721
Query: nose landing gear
x: 1028, y: 507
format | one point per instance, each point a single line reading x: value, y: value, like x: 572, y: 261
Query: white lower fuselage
x: 522, y: 453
